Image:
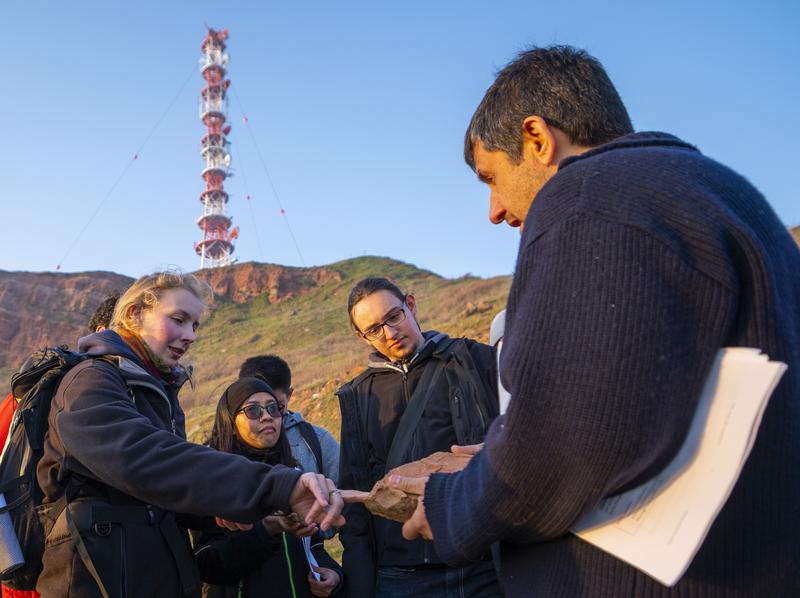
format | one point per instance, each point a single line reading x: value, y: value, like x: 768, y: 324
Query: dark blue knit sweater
x: 639, y: 260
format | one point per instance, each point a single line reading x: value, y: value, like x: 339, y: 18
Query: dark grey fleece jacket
x: 137, y: 447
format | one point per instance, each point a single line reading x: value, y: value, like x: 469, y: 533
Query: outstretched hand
x: 418, y: 525
x: 316, y: 499
x: 466, y: 449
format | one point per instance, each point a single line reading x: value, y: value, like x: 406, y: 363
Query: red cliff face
x: 45, y: 309
x: 38, y: 309
x: 243, y: 282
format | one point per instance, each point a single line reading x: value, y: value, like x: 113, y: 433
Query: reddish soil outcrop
x: 242, y: 282
x: 38, y: 309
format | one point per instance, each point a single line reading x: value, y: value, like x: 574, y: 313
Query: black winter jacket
x: 255, y: 563
x: 122, y: 431
x: 381, y: 394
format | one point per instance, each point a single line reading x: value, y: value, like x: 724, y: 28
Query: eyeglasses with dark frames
x: 374, y: 333
x: 254, y: 411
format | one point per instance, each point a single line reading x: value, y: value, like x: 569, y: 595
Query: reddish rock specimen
x: 397, y: 505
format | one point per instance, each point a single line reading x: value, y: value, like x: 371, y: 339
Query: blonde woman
x: 116, y: 455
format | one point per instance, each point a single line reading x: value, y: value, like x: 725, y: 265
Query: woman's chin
x: 269, y: 444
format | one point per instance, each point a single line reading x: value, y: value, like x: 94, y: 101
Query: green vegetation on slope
x: 311, y: 331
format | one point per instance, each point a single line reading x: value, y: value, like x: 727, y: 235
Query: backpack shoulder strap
x: 416, y: 406
x: 310, y: 436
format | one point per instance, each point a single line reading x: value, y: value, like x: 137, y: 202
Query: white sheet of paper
x: 496, y: 333
x: 310, y: 557
x: 659, y: 526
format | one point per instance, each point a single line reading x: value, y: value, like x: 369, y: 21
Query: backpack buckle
x: 102, y: 529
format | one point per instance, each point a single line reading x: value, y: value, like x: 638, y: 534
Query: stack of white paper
x: 659, y: 526
x: 311, y: 558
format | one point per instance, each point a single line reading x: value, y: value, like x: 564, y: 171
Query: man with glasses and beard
x: 422, y: 392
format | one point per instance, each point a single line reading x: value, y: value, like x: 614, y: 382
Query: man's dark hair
x: 270, y: 368
x: 365, y: 288
x: 102, y: 315
x: 566, y: 86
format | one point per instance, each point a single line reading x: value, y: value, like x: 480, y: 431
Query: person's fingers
x: 411, y: 529
x: 328, y: 577
x: 417, y: 526
x: 232, y: 525
x: 297, y: 528
x: 315, y: 587
x: 414, y: 486
x: 301, y: 531
x: 318, y: 485
x: 333, y: 518
x: 466, y: 449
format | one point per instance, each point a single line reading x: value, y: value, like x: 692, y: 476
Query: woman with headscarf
x: 270, y: 558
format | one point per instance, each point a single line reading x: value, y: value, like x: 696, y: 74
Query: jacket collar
x: 109, y: 343
x: 643, y: 139
x: 291, y: 419
x: 432, y: 340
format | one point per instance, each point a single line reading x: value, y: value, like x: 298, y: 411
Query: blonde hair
x: 146, y: 292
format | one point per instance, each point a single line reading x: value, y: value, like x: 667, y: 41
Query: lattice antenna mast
x: 216, y: 247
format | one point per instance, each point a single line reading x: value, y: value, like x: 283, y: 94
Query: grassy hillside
x: 311, y: 331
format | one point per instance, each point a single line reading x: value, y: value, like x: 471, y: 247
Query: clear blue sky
x: 359, y: 109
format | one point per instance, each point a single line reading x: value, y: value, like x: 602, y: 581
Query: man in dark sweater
x: 639, y: 259
x: 422, y: 392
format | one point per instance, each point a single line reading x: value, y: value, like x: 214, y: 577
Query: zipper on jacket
x: 401, y: 369
x: 477, y: 403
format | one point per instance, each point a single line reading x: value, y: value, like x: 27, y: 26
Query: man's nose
x: 497, y: 213
x: 389, y: 332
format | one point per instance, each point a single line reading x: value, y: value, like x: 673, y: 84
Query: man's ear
x: 412, y: 304
x: 538, y: 140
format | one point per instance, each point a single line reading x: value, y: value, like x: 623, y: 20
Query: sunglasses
x: 254, y: 411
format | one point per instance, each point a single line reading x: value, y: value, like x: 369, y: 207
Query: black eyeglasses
x: 395, y: 317
x: 254, y: 411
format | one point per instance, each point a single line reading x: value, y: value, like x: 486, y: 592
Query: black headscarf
x: 241, y: 390
x: 225, y: 437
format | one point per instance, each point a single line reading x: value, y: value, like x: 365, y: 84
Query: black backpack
x: 34, y: 387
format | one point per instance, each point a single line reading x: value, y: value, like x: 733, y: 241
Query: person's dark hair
x: 365, y: 288
x: 224, y: 436
x: 566, y: 86
x: 270, y: 368
x: 102, y: 315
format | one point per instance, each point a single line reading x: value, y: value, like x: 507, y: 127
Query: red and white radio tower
x: 216, y: 247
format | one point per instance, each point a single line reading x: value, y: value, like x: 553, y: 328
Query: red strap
x: 6, y: 414
x: 9, y: 593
